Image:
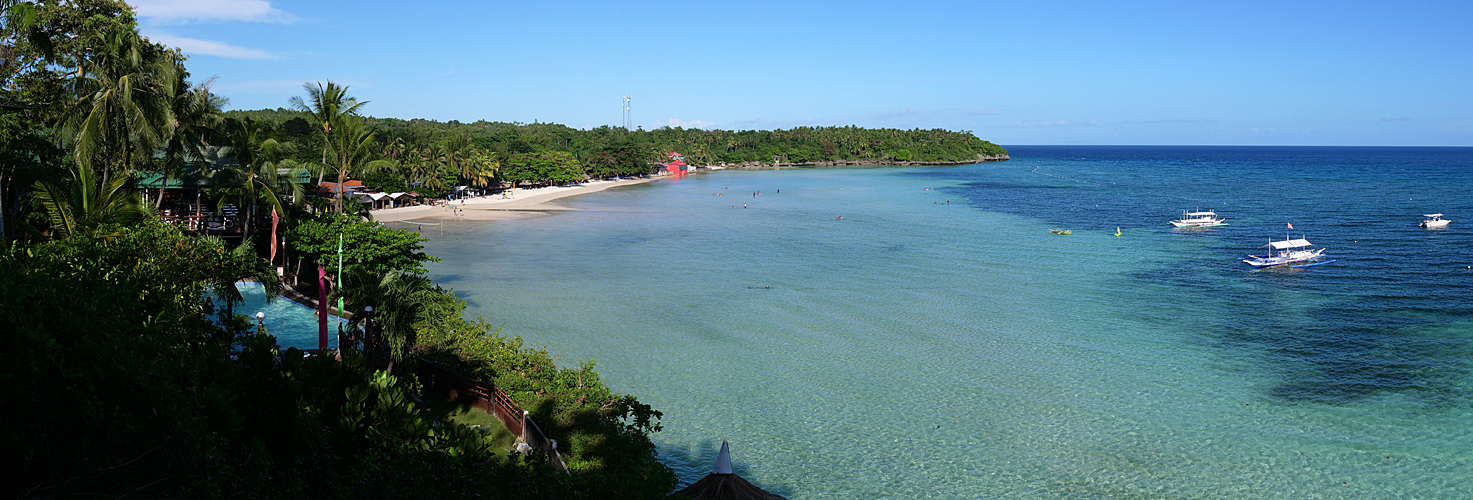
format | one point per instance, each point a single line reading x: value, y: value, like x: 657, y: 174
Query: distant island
x: 613, y: 151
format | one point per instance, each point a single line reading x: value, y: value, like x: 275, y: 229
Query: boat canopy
x: 1280, y: 245
x: 1432, y: 215
x: 1202, y: 213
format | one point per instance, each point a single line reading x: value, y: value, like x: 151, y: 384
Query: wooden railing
x: 204, y: 222
x: 493, y: 400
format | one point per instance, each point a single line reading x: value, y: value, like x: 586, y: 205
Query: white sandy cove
x: 494, y: 207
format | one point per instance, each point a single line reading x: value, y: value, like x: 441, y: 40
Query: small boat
x: 1434, y: 220
x: 1059, y: 231
x: 1199, y: 219
x: 1286, y: 252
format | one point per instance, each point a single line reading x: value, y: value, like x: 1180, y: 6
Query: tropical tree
x: 352, y: 146
x: 195, y: 122
x: 27, y: 155
x: 123, y: 105
x: 552, y: 167
x: 256, y: 171
x: 82, y: 204
x: 333, y: 112
x: 240, y: 263
x: 403, y: 304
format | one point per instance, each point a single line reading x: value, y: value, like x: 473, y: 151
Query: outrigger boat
x: 1434, y: 220
x: 1199, y: 219
x: 1288, y: 252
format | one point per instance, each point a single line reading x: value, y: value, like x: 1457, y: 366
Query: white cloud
x: 1175, y: 120
x: 1053, y: 123
x: 182, y: 11
x: 765, y: 124
x: 211, y: 48
x: 676, y: 122
x: 983, y: 111
x: 900, y: 113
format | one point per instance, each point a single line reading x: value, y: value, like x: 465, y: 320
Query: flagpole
x: 321, y: 309
x: 341, y: 282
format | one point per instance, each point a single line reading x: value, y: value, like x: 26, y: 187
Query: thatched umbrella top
x: 722, y: 484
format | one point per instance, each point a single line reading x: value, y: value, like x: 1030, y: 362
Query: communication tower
x: 628, y: 115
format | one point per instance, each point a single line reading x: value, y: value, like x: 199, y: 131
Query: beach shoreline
x: 520, y: 204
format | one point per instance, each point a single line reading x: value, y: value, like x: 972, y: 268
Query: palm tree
x: 488, y: 166
x: 352, y: 146
x: 330, y: 108
x: 123, y: 102
x: 82, y: 205
x: 255, y: 171
x: 402, y: 304
x: 195, y: 121
x: 240, y: 264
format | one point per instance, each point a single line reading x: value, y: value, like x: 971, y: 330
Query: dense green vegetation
x: 121, y: 384
x: 610, y: 151
x: 118, y: 382
x: 126, y: 390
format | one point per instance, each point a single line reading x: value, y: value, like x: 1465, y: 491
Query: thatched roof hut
x: 722, y: 484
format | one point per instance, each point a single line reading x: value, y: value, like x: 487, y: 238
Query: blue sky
x: 1035, y: 72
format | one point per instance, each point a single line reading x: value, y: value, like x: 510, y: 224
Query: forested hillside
x: 801, y: 145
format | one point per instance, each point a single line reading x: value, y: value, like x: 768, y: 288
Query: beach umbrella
x: 722, y: 484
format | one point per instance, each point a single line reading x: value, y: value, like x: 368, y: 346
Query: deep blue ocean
x: 939, y: 342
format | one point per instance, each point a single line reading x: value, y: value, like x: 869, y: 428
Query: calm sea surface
x: 939, y: 342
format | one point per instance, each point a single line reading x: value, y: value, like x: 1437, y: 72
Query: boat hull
x: 1284, y: 258
x: 1434, y: 223
x: 1197, y: 224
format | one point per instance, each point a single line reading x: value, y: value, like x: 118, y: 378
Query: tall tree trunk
x: 245, y: 224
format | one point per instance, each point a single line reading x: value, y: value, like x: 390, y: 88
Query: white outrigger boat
x: 1288, y: 252
x: 1199, y: 219
x: 1434, y: 220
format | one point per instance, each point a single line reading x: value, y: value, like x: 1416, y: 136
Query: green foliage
x: 27, y: 156
x: 523, y: 149
x: 539, y: 168
x: 385, y: 182
x: 404, y: 304
x: 54, y: 38
x: 604, y: 436
x: 366, y: 245
x: 226, y: 267
x: 118, y: 386
x: 79, y: 205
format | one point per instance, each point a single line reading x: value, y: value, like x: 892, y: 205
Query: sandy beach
x: 521, y: 203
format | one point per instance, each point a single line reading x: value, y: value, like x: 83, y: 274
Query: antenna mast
x: 628, y: 115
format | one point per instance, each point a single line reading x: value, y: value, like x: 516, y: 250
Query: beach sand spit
x: 522, y: 203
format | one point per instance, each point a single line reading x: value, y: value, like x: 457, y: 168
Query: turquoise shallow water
x: 919, y: 349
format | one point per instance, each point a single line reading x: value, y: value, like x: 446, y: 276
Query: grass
x: 460, y: 413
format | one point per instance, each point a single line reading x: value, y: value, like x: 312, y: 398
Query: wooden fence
x: 492, y: 400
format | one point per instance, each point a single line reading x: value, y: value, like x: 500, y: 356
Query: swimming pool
x: 293, y: 324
